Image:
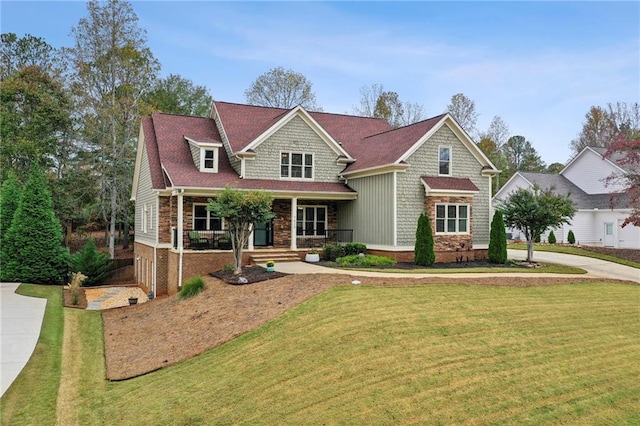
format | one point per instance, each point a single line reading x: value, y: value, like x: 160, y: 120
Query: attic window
x: 209, y: 160
x: 444, y: 163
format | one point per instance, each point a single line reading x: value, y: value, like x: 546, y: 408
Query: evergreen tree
x: 551, y: 239
x: 571, y: 238
x: 32, y: 251
x: 498, y: 239
x: 425, y: 254
x: 91, y: 263
x: 9, y: 197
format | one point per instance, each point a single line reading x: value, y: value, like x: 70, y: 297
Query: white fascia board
x: 377, y: 170
x: 203, y: 144
x: 306, y: 117
x: 136, y: 170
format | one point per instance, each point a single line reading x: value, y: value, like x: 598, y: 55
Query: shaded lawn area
x: 449, y: 354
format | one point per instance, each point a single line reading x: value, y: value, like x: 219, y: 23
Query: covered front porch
x: 299, y: 223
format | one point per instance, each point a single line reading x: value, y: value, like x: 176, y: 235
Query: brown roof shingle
x: 445, y: 183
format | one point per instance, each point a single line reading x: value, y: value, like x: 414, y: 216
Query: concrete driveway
x: 20, y: 322
x: 594, y: 267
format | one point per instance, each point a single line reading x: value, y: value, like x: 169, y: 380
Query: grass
x: 392, y: 355
x: 549, y: 268
x: 577, y: 251
x: 31, y: 399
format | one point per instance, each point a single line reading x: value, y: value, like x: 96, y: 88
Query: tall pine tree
x: 9, y: 197
x: 32, y: 251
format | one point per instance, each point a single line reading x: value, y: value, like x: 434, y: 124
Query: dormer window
x: 296, y: 165
x: 209, y: 160
x: 205, y: 154
x: 444, y: 161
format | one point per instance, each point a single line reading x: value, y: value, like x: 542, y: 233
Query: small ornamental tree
x: 625, y: 151
x: 551, y: 239
x: 240, y: 210
x: 533, y: 211
x: 9, y: 197
x: 32, y: 249
x: 424, y: 250
x: 498, y: 240
x: 91, y: 263
x: 571, y: 238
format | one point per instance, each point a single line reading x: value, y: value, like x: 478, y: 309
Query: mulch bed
x: 252, y: 274
x: 67, y: 299
x: 628, y: 254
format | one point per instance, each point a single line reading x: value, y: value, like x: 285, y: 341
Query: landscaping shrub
x: 74, y: 287
x: 330, y: 252
x: 192, y: 287
x: 32, y: 250
x: 571, y: 239
x: 355, y: 248
x: 498, y: 240
x: 366, y: 260
x: 551, y: 239
x: 537, y: 239
x: 425, y: 254
x: 93, y: 264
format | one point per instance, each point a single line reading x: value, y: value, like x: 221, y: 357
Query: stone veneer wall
x: 450, y: 242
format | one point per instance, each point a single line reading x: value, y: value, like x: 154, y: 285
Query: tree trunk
x: 530, y: 250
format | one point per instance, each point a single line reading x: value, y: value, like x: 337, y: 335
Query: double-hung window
x: 444, y: 161
x: 452, y: 218
x: 296, y: 165
x: 311, y: 220
x: 209, y: 161
x: 204, y: 220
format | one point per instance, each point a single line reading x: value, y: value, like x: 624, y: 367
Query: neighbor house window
x: 311, y: 220
x: 444, y: 164
x: 204, y: 220
x: 209, y: 160
x: 452, y: 218
x: 296, y: 165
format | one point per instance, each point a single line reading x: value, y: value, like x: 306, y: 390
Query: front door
x: 608, y: 235
x: 263, y: 234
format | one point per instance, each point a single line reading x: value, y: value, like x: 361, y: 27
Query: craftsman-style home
x: 334, y: 178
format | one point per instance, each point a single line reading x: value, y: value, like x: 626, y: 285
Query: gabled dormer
x: 205, y: 153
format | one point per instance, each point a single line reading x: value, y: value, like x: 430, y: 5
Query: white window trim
x: 450, y: 160
x: 326, y: 220
x: 313, y: 165
x: 216, y: 155
x: 446, y: 212
x: 209, y: 215
x: 144, y: 218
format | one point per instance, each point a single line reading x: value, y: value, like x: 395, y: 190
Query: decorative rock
x: 356, y: 282
x: 242, y: 280
x: 360, y: 255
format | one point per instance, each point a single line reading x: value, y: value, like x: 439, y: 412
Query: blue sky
x: 538, y: 65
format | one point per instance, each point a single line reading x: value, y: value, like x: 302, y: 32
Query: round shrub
x: 366, y: 260
x: 193, y: 286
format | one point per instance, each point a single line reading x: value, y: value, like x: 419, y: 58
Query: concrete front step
x: 275, y: 256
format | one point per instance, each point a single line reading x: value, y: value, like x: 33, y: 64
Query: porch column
x: 294, y: 211
x: 250, y: 242
x: 180, y: 232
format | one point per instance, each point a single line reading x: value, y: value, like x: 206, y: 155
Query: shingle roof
x: 449, y: 183
x: 562, y: 185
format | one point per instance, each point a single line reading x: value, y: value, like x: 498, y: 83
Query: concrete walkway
x: 595, y: 268
x: 20, y: 322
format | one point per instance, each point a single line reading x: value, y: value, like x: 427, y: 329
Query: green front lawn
x: 549, y: 268
x: 391, y: 355
x: 577, y: 251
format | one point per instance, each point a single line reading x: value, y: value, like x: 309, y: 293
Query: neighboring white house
x: 600, y: 210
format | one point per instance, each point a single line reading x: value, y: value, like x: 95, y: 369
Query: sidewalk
x: 20, y: 322
x: 595, y: 269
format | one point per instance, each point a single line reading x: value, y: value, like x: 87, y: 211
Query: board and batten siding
x: 145, y: 196
x: 424, y: 162
x: 295, y: 136
x: 371, y: 215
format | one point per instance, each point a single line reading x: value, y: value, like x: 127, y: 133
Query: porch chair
x: 196, y: 242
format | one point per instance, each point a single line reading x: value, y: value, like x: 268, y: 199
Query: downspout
x: 395, y: 208
x: 180, y: 234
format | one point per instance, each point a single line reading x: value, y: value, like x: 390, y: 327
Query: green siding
x: 371, y: 215
x: 145, y: 196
